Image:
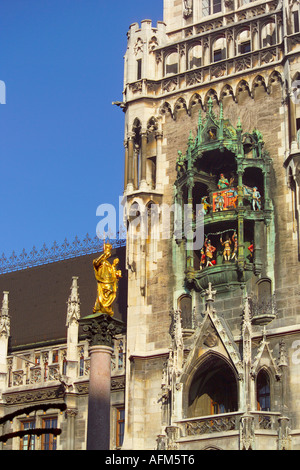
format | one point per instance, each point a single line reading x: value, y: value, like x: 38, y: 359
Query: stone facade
x: 235, y: 64
x: 210, y: 358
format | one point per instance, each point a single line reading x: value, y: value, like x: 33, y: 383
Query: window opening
x: 194, y: 58
x: 263, y: 392
x: 49, y: 440
x: 217, y: 55
x: 296, y: 21
x: 171, y: 63
x: 269, y: 35
x: 245, y: 47
x: 210, y: 7
x: 120, y: 426
x: 27, y: 442
x: 217, y: 6
x: 139, y: 69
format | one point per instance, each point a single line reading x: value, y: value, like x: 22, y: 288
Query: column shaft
x: 99, y: 398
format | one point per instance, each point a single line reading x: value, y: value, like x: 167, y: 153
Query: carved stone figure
x: 188, y: 8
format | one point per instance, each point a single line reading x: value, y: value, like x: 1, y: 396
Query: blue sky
x: 61, y: 139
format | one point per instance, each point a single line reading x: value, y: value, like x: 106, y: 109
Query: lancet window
x: 244, y: 42
x: 263, y: 391
x: 171, y: 63
x: 268, y: 34
x: 194, y: 56
x: 219, y: 49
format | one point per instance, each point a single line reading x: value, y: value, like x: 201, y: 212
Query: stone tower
x: 212, y: 120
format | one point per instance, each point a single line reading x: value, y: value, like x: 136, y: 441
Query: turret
x: 73, y: 316
x: 4, y: 337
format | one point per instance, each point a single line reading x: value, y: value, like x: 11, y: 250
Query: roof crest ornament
x: 56, y: 253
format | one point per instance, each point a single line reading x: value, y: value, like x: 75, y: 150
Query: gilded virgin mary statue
x: 107, y: 277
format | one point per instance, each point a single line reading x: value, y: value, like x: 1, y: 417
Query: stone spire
x: 73, y: 316
x: 73, y: 310
x: 210, y: 297
x: 4, y: 316
x: 4, y: 338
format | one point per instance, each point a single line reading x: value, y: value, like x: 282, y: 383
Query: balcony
x: 49, y: 367
x: 221, y: 423
x: 221, y: 276
x: 231, y: 431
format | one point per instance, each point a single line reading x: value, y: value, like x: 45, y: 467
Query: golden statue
x: 107, y: 277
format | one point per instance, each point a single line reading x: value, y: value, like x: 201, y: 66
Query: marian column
x: 101, y: 329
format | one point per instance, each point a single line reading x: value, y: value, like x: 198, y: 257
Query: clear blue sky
x: 61, y: 140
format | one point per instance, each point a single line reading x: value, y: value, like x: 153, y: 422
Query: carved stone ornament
x: 210, y: 338
x: 118, y: 383
x: 188, y: 8
x: 5, y: 326
x: 101, y: 329
x: 153, y: 43
x: 30, y: 396
x: 139, y: 46
x: 170, y: 85
x: 193, y: 78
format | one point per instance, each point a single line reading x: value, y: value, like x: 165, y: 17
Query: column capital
x: 101, y: 329
x: 72, y: 412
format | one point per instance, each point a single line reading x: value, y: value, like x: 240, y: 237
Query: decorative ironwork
x: 56, y: 253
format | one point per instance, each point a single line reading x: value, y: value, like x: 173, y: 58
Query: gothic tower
x: 212, y: 150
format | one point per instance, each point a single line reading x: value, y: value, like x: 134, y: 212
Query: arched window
x: 243, y: 42
x: 195, y: 56
x: 213, y: 389
x: 268, y: 35
x: 264, y: 289
x: 171, y: 63
x: 263, y: 391
x: 219, y: 49
x: 185, y: 306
